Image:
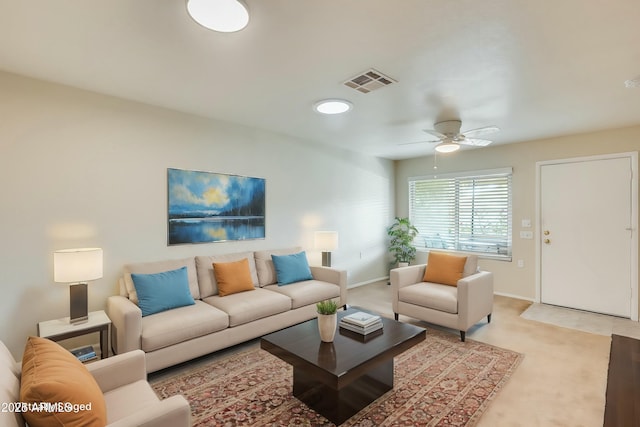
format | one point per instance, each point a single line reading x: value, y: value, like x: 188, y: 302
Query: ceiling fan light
x: 447, y: 147
x: 226, y: 16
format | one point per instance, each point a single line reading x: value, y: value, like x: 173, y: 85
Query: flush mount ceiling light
x: 332, y: 106
x: 447, y: 147
x: 225, y: 16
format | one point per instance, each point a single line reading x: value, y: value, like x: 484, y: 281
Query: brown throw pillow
x: 51, y: 374
x: 233, y: 277
x: 444, y: 268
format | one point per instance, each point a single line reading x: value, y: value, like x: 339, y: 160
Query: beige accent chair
x: 457, y: 307
x: 129, y: 398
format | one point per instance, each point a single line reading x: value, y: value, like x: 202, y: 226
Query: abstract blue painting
x: 209, y: 207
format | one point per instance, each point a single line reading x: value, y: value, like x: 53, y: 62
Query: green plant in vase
x: 402, y: 234
x: 327, y: 307
x: 327, y: 319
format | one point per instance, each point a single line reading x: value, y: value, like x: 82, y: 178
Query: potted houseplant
x: 402, y: 233
x: 327, y: 319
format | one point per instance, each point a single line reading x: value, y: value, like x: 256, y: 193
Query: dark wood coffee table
x: 339, y: 379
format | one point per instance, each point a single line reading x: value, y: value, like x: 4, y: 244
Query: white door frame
x: 634, y: 220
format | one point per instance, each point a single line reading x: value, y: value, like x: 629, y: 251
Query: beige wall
x: 80, y: 169
x: 509, y: 279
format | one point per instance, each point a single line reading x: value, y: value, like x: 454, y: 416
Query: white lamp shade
x: 77, y: 265
x: 326, y: 241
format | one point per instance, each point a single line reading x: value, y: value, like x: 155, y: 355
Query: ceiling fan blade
x: 480, y: 131
x: 435, y: 133
x: 475, y: 142
x: 418, y: 142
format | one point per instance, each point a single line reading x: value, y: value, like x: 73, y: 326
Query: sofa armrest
x: 404, y: 276
x: 475, y: 298
x: 171, y: 412
x: 119, y: 370
x: 332, y: 275
x: 126, y: 324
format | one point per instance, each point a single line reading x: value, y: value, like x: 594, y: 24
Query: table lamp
x: 77, y: 267
x: 326, y: 241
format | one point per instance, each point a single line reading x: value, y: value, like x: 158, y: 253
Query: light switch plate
x: 526, y: 223
x: 526, y: 234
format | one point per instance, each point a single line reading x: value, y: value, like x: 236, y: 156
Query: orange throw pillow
x: 52, y: 375
x: 233, y: 277
x: 444, y: 268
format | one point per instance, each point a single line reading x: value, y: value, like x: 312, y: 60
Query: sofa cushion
x: 52, y: 374
x: 444, y: 268
x: 307, y: 292
x: 206, y: 277
x: 159, y: 267
x: 181, y: 324
x: 233, y: 277
x: 246, y: 307
x: 291, y: 268
x: 431, y: 295
x: 471, y: 266
x: 264, y: 264
x: 162, y: 291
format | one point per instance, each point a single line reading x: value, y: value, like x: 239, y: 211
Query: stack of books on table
x: 361, y: 322
x: 84, y: 354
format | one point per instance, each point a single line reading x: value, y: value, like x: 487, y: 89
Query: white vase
x: 327, y: 326
x: 403, y: 264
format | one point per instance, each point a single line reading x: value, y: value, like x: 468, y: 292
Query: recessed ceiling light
x: 333, y: 106
x: 225, y: 16
x: 447, y: 147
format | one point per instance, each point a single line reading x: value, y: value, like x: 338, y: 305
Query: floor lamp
x: 326, y: 241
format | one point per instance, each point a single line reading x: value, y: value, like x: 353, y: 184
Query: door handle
x: 547, y: 232
x: 547, y: 241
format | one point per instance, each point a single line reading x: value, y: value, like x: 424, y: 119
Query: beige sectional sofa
x: 215, y: 322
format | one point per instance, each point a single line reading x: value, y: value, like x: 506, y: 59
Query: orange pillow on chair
x: 51, y: 374
x: 444, y: 268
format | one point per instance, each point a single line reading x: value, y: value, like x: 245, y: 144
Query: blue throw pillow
x: 162, y: 291
x: 291, y: 268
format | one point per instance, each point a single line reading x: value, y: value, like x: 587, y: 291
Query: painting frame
x: 211, y: 207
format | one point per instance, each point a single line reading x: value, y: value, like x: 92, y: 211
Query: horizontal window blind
x: 470, y: 212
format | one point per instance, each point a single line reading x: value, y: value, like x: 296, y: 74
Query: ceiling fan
x: 450, y: 138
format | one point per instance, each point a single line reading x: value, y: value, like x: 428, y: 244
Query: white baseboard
x: 379, y: 279
x: 504, y: 294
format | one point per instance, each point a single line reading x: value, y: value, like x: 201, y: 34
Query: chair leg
x: 489, y: 318
x: 462, y: 335
x: 395, y: 316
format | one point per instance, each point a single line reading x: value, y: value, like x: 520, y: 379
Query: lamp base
x: 78, y: 312
x: 326, y: 259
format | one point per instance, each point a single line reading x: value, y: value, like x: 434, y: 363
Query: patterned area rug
x: 439, y: 382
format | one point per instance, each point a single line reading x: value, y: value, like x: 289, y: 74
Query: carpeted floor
x: 441, y: 381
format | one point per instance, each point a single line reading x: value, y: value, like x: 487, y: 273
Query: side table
x: 61, y: 329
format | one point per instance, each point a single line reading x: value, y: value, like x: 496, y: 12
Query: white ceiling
x: 536, y: 69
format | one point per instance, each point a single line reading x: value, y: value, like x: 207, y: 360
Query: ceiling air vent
x: 369, y: 81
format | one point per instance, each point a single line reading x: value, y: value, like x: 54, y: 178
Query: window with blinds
x: 468, y: 212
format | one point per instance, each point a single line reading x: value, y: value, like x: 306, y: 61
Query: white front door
x: 586, y: 237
